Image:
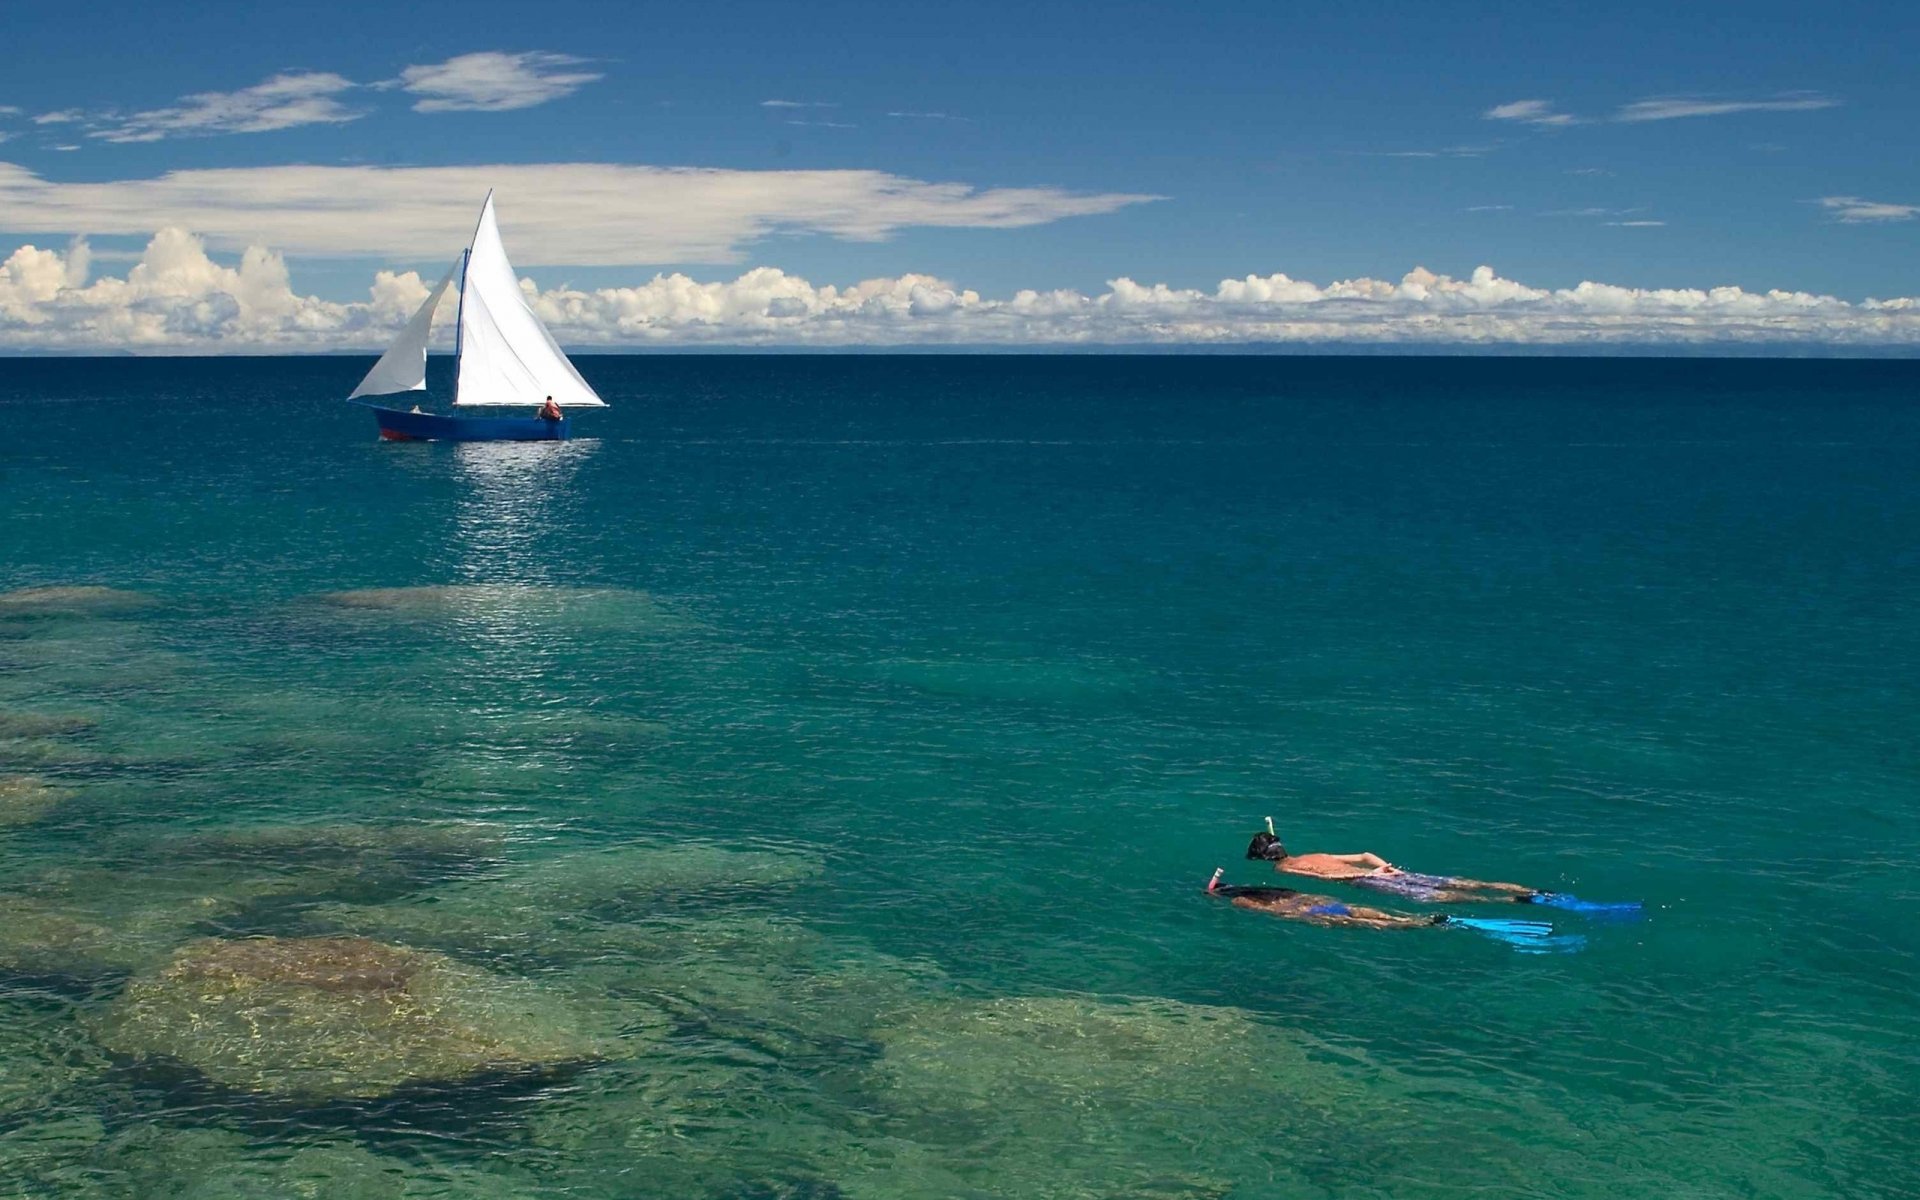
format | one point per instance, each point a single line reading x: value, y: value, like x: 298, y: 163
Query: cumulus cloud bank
x: 586, y: 214
x: 177, y: 298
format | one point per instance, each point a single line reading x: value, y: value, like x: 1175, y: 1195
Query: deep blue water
x: 999, y: 657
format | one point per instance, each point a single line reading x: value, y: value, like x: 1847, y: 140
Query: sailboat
x: 503, y: 357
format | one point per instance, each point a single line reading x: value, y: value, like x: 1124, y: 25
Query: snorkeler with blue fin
x: 1374, y: 873
x: 1325, y: 910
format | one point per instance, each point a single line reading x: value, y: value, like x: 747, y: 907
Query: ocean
x: 802, y: 784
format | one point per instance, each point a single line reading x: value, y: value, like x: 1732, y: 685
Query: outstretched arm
x: 1380, y: 918
x: 1364, y: 859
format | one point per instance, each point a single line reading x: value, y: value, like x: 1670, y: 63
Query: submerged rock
x: 41, y: 725
x: 53, y: 754
x: 1069, y: 1096
x: 337, y: 1017
x: 593, y: 906
x: 25, y: 799
x: 343, y: 859
x: 631, y: 872
x: 39, y: 940
x: 61, y: 599
x: 42, y: 1057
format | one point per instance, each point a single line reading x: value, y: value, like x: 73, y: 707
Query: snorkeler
x: 1325, y: 910
x: 1301, y: 906
x: 1370, y: 871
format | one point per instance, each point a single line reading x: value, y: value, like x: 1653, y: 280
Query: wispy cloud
x: 1636, y: 224
x: 1596, y: 172
x: 1442, y: 152
x: 494, y: 81
x: 64, y: 116
x: 824, y: 124
x: 1542, y: 113
x: 1592, y: 212
x: 282, y: 102
x: 1530, y: 112
x: 590, y: 214
x: 1854, y: 210
x: 798, y: 104
x: 1489, y: 208
x: 1668, y: 108
x: 178, y: 297
x: 929, y: 116
x: 9, y: 110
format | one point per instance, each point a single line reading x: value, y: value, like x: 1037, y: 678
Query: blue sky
x: 1643, y: 145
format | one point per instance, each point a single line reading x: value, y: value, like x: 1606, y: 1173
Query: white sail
x: 507, y: 357
x: 403, y: 368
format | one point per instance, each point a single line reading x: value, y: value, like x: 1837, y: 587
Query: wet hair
x: 1243, y: 892
x: 1266, y: 846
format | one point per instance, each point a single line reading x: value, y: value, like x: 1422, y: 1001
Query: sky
x: 265, y: 177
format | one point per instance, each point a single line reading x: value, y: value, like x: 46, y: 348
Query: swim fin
x: 1501, y: 928
x: 1625, y: 910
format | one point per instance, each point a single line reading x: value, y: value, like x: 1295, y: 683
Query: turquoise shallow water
x: 810, y: 776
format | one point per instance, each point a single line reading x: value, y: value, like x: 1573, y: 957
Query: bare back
x: 1330, y: 866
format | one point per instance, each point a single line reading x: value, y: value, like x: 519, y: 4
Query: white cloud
x: 1659, y: 108
x: 282, y: 102
x: 1529, y: 112
x: 178, y: 298
x: 595, y: 214
x: 494, y: 81
x: 1592, y: 212
x: 826, y: 124
x: 1442, y: 152
x: 1637, y: 224
x: 9, y: 110
x: 64, y: 116
x: 1667, y: 108
x: 798, y: 104
x: 1853, y: 209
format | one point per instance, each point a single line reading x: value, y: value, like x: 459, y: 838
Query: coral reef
x: 340, y: 1017
x: 25, y: 799
x: 71, y: 599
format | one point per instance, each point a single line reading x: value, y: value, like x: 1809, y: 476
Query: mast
x: 459, y: 310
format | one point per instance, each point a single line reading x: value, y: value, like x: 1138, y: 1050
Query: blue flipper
x: 1528, y: 937
x: 1502, y: 928
x: 1625, y: 910
x: 1559, y: 943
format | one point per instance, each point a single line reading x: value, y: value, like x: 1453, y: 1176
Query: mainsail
x: 507, y: 357
x: 403, y: 368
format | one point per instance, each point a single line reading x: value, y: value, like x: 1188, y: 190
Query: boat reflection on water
x: 514, y: 619
x: 514, y: 496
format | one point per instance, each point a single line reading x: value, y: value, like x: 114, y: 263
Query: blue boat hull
x: 399, y: 426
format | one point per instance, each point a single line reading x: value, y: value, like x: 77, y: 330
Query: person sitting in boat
x: 550, y: 411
